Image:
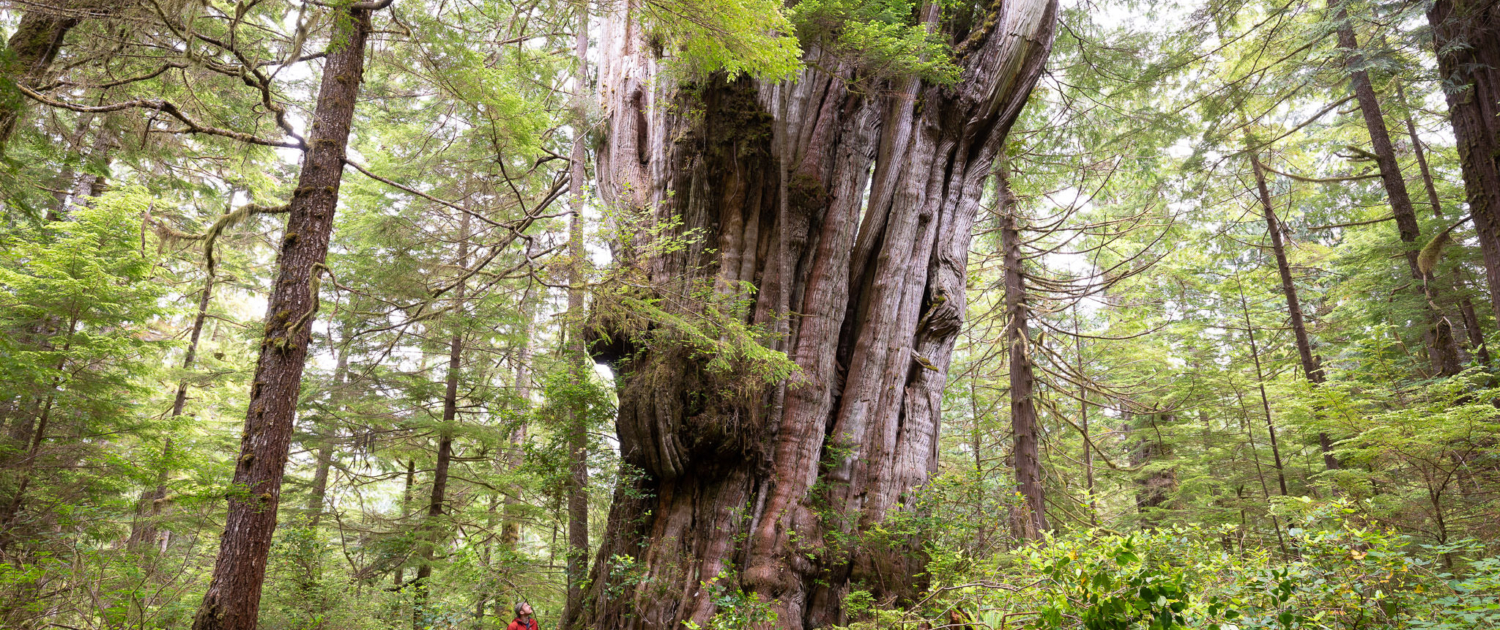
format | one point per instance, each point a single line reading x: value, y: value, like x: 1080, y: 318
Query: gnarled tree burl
x: 886, y: 176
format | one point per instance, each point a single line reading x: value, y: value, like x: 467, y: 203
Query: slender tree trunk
x: 37, y: 432
x: 1083, y: 421
x: 510, y: 527
x: 878, y: 289
x: 1032, y: 522
x: 1311, y: 367
x: 434, y: 525
x: 1442, y: 350
x: 1466, y: 35
x: 577, y: 358
x: 1465, y: 305
x: 1260, y: 474
x: 317, y: 496
x: 1265, y: 401
x: 233, y: 597
x: 144, y: 530
x: 27, y: 60
x: 411, y: 479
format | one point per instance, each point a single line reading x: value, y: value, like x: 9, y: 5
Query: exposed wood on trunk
x: 233, y: 597
x: 878, y: 293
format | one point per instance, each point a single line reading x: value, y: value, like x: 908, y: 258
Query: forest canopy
x: 734, y: 314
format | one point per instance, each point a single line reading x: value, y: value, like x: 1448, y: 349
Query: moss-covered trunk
x: 883, y: 187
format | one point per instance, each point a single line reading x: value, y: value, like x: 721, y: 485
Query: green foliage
x: 881, y: 37
x: 731, y: 36
x: 1343, y: 576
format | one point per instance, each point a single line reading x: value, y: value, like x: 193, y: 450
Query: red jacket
x: 517, y: 624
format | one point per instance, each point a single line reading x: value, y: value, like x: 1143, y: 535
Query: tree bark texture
x: 1031, y: 520
x: 233, y: 597
x: 26, y: 60
x: 1466, y: 35
x: 1442, y: 349
x: 776, y: 504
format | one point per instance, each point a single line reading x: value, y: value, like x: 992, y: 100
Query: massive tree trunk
x: 233, y: 597
x: 1442, y: 350
x: 26, y: 60
x: 1466, y: 35
x: 778, y: 504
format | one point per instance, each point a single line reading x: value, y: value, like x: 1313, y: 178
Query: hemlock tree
x: 730, y: 496
x: 233, y: 598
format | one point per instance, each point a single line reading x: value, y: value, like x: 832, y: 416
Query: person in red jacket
x: 523, y: 620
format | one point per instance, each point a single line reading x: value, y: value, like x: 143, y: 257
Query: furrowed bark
x: 1466, y: 35
x: 233, y: 597
x: 1442, y: 350
x: 729, y: 490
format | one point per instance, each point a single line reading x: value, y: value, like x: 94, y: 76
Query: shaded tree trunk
x: 510, y: 527
x: 27, y: 60
x: 317, y: 496
x: 1472, y: 330
x: 398, y: 581
x: 1154, y: 486
x: 878, y: 287
x: 1312, y: 368
x: 1265, y: 401
x: 1442, y: 350
x: 233, y: 597
x: 1466, y: 35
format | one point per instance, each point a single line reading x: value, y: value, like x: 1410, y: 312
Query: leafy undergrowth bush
x: 1334, y: 575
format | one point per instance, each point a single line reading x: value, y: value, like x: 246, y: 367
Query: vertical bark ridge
x: 770, y: 503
